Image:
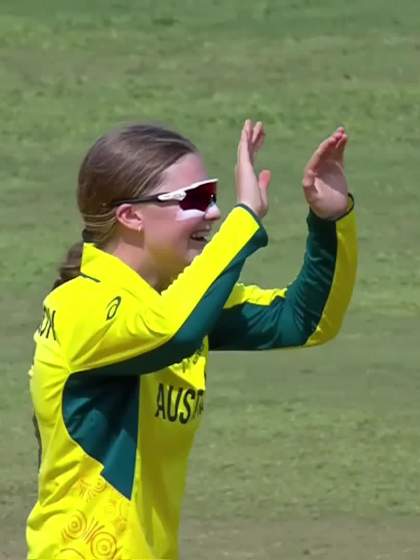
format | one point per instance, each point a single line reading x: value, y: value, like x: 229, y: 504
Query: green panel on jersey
x: 101, y: 415
x: 190, y: 336
x: 288, y: 321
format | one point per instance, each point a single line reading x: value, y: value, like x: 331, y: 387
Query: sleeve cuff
x: 350, y: 206
x: 325, y: 223
x: 253, y: 214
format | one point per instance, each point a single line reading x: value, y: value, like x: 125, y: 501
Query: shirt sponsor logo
x: 112, y: 308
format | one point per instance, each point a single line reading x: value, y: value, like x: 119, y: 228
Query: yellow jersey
x: 119, y: 376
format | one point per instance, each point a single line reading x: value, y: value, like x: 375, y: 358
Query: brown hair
x: 125, y: 163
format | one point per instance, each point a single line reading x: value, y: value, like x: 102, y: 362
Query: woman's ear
x: 129, y: 216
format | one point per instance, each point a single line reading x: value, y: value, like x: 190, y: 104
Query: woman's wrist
x: 338, y: 216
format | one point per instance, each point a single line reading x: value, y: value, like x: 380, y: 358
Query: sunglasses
x: 198, y: 196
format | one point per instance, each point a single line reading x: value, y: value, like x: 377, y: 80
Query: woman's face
x: 173, y: 237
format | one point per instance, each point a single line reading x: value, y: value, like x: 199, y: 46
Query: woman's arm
x: 148, y: 330
x: 310, y: 311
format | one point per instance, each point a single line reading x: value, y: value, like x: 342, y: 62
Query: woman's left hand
x: 324, y: 182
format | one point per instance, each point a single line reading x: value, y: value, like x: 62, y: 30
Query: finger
x: 253, y: 133
x: 243, y: 148
x: 323, y: 149
x: 327, y: 148
x: 338, y: 152
x: 248, y: 129
x: 340, y: 147
x: 249, y: 126
x: 308, y: 181
x: 243, y: 134
x: 256, y: 140
x: 239, y: 149
x: 338, y: 135
x: 259, y: 140
x: 256, y: 131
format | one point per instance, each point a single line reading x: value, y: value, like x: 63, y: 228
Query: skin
x: 157, y: 240
x: 160, y: 240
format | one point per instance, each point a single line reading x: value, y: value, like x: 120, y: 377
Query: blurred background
x: 311, y: 453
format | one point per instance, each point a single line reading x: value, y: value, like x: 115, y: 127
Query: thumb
x: 308, y: 179
x: 264, y: 180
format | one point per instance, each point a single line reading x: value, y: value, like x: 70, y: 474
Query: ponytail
x: 70, y: 268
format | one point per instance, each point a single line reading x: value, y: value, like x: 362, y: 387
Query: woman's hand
x: 324, y: 182
x: 250, y: 190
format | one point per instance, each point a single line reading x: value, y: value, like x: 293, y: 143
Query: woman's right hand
x: 250, y: 190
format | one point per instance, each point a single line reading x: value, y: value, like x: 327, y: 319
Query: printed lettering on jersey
x: 179, y: 404
x: 47, y: 326
x: 185, y: 365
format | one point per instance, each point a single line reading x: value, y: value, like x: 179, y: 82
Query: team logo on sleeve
x: 112, y: 308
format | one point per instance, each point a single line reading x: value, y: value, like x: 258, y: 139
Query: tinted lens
x: 201, y: 197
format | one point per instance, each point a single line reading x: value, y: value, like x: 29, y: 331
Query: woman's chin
x: 194, y: 251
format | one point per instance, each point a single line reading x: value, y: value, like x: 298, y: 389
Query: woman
x: 118, y: 378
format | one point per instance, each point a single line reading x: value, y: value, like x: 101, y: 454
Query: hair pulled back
x: 125, y: 163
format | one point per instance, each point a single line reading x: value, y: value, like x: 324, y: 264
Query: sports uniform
x: 119, y: 377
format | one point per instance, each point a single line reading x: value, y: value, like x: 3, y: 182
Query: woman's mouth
x: 201, y: 236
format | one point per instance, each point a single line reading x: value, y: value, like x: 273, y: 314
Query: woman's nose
x: 212, y: 212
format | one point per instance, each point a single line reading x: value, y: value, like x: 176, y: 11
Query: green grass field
x: 302, y: 454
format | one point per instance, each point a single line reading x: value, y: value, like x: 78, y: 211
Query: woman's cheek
x: 188, y: 215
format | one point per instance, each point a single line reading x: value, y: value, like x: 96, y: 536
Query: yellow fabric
x: 243, y: 293
x: 343, y: 282
x: 110, y: 320
x: 79, y: 514
x: 245, y: 323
